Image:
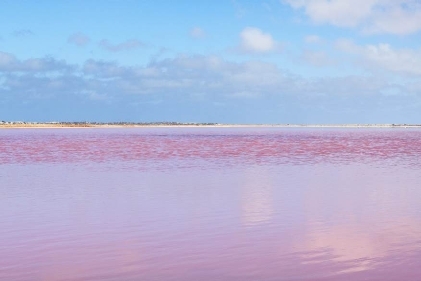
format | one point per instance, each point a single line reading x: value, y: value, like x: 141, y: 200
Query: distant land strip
x: 22, y: 124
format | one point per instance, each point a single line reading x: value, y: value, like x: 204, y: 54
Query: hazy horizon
x: 175, y: 123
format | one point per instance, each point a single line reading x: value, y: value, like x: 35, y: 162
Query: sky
x: 238, y: 61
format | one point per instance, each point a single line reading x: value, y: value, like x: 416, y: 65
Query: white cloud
x: 182, y: 77
x: 209, y: 79
x: 124, y: 46
x: 397, y: 19
x: 103, y: 69
x: 402, y: 60
x: 346, y: 45
x: 317, y: 58
x: 78, y: 39
x: 312, y: 39
x: 6, y: 60
x: 197, y: 33
x: 255, y: 40
x: 370, y: 16
x: 382, y: 57
x: 210, y: 75
x: 337, y: 12
x: 9, y: 63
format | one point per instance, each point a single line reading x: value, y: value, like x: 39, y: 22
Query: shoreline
x: 105, y: 126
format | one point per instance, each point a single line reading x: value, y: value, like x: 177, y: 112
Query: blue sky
x: 274, y: 61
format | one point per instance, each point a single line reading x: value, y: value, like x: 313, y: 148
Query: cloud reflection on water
x: 248, y: 205
x: 256, y: 196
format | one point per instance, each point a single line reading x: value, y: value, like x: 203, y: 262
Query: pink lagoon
x: 242, y: 204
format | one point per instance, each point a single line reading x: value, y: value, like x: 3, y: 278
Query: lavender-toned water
x: 241, y: 204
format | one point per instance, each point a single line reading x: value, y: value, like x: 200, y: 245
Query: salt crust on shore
x: 61, y: 126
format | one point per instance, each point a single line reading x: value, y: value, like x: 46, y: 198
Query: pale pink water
x: 210, y: 204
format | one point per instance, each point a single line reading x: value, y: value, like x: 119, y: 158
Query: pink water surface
x: 210, y: 204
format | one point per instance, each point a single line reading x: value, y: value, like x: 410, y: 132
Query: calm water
x: 210, y: 204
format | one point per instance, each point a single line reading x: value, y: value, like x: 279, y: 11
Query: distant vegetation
x: 89, y: 124
x: 128, y: 124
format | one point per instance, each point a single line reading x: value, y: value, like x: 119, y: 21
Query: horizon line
x: 190, y: 124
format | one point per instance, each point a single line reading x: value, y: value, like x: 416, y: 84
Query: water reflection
x: 366, y: 215
x: 210, y: 205
x: 257, y: 205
